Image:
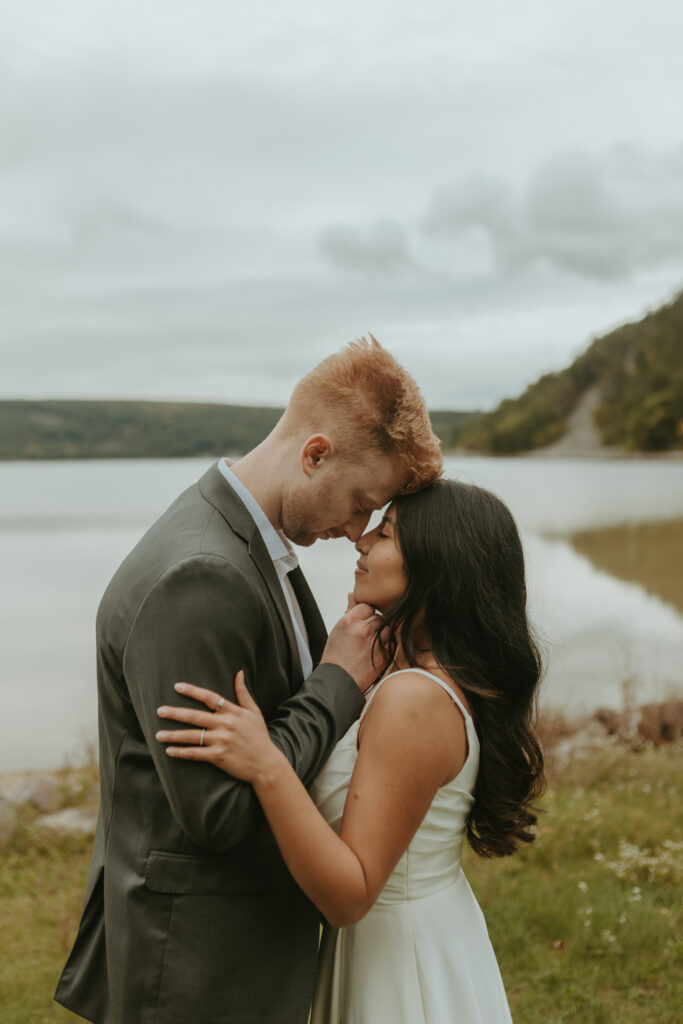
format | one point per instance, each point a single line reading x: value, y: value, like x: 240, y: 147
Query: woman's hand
x: 234, y: 737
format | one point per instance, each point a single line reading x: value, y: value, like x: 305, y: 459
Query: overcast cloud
x: 201, y: 200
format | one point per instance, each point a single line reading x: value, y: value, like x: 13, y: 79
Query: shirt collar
x: 278, y: 547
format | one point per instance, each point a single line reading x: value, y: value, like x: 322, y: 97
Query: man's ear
x: 315, y: 450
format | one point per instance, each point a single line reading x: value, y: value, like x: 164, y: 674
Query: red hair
x: 371, y: 403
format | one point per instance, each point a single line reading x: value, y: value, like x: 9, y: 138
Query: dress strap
x: 423, y: 672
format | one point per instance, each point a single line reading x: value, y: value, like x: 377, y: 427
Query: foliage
x: 85, y: 430
x: 537, y: 418
x: 638, y: 369
x: 109, y: 430
x: 450, y: 426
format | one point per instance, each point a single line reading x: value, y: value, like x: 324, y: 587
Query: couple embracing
x: 289, y: 778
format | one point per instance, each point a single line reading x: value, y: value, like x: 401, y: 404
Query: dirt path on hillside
x: 582, y: 438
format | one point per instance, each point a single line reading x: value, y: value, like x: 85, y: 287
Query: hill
x: 632, y: 379
x: 109, y: 430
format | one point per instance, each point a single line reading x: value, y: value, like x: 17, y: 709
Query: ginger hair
x: 364, y: 398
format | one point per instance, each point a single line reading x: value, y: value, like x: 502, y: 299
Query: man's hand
x: 350, y: 645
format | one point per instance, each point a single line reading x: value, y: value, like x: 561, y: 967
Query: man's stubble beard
x: 296, y: 521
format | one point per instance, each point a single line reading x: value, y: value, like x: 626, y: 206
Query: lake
x: 603, y: 541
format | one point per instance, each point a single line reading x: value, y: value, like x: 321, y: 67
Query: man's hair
x: 371, y: 403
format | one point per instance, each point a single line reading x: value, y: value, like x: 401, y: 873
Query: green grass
x: 586, y: 923
x: 42, y: 882
x: 606, y: 854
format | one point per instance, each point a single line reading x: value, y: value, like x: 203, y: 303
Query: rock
x: 41, y: 791
x: 661, y: 723
x: 71, y: 819
x: 655, y: 723
x: 8, y: 821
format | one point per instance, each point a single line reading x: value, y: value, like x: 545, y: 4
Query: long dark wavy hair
x: 465, y: 601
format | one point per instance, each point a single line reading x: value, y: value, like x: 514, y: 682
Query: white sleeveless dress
x: 422, y: 954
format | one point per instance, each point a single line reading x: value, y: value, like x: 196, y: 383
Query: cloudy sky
x: 199, y: 199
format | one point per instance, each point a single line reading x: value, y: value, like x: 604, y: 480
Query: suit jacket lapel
x: 219, y: 493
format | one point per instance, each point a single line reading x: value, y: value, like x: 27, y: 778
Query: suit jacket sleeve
x: 201, y: 623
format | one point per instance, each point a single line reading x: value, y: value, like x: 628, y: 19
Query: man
x: 190, y: 914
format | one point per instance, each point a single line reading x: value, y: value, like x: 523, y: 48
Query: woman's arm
x: 203, y: 620
x: 411, y: 744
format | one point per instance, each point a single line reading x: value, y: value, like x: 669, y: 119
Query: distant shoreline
x: 538, y: 454
x: 60, y: 430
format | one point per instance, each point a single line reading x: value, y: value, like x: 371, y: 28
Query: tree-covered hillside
x: 638, y: 369
x: 107, y: 430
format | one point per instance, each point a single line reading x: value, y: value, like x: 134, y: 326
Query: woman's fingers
x: 193, y: 736
x: 244, y: 698
x: 202, y: 719
x: 191, y: 753
x: 204, y: 696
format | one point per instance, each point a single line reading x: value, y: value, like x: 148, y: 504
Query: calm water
x: 65, y: 526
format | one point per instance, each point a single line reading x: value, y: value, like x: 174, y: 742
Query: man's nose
x: 355, y: 528
x: 361, y: 545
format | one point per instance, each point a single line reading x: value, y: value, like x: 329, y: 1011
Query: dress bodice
x: 432, y: 860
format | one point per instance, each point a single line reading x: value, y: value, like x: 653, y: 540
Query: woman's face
x: 380, y: 575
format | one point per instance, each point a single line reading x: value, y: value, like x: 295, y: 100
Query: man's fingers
x: 361, y: 611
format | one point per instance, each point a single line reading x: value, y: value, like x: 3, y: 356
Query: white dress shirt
x: 284, y: 560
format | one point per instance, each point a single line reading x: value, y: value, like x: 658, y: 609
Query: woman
x: 443, y: 749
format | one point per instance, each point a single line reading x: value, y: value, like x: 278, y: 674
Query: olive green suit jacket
x: 190, y: 913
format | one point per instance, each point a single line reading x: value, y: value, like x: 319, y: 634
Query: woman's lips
x: 360, y: 569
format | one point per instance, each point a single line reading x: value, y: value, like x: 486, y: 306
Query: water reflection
x: 598, y: 597
x: 598, y: 632
x: 650, y: 554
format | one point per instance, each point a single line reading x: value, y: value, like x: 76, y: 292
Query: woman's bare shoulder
x: 407, y: 687
x: 412, y: 710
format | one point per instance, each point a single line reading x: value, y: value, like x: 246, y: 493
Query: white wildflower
x: 634, y: 863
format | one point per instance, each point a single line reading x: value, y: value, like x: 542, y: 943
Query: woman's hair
x: 372, y: 405
x: 465, y: 599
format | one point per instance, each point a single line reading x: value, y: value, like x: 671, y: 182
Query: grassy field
x: 586, y: 923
